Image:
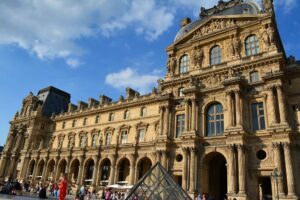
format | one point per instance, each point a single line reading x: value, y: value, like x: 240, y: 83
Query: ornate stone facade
x: 226, y: 115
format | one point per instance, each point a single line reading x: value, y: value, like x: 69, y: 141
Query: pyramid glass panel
x: 157, y: 184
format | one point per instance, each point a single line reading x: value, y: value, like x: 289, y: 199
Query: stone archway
x: 50, y: 170
x: 88, y: 172
x: 104, y: 172
x: 123, y: 170
x: 215, y: 175
x: 31, y: 169
x: 144, y: 165
x: 74, y: 170
x: 40, y: 169
x: 61, y: 168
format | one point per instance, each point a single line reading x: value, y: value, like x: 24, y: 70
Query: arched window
x: 180, y: 92
x: 63, y: 125
x: 94, y: 140
x: 123, y: 137
x: 97, y: 119
x: 215, y: 120
x: 143, y: 112
x: 251, y: 45
x: 126, y: 114
x: 105, y: 170
x: 74, y: 123
x: 108, y: 139
x: 215, y: 55
x: 254, y: 76
x: 82, y: 141
x: 111, y: 117
x: 84, y: 121
x: 184, y: 64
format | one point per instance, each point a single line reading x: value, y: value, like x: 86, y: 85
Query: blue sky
x: 94, y: 47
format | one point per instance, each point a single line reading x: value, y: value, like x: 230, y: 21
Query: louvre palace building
x: 225, y: 119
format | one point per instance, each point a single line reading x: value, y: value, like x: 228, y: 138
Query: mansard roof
x: 233, y: 7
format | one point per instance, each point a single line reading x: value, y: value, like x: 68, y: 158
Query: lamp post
x: 276, y: 176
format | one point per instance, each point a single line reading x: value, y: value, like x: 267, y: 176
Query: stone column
x: 12, y: 166
x: 165, y: 159
x: 166, y: 120
x: 44, y: 170
x: 242, y: 169
x: 289, y: 169
x: 229, y: 109
x: 95, y: 171
x: 79, y: 177
x: 185, y: 168
x: 193, y: 126
x: 281, y: 104
x: 3, y: 165
x: 55, y: 170
x: 278, y: 164
x: 132, y: 168
x: 192, y: 171
x: 271, y: 107
x: 18, y: 142
x: 231, y: 170
x: 158, y: 156
x: 187, y: 115
x: 238, y: 107
x: 161, y: 121
x: 112, y: 171
x: 24, y: 170
x: 35, y: 168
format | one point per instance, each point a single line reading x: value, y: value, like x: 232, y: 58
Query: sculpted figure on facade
x: 271, y: 34
x: 265, y: 37
x: 214, y: 26
x: 171, y: 64
x: 268, y: 5
x: 197, y: 56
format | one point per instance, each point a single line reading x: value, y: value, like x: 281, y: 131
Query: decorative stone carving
x: 271, y: 34
x: 214, y: 80
x: 214, y: 25
x: 265, y: 37
x: 235, y: 46
x: 268, y: 5
x: 197, y: 56
x: 171, y: 64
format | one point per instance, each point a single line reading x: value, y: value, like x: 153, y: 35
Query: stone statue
x: 265, y: 37
x: 171, y: 65
x: 231, y: 73
x: 271, y: 34
x: 236, y: 43
x: 41, y: 144
x: 198, y: 56
x: 268, y: 5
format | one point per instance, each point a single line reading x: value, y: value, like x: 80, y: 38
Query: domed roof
x: 243, y: 8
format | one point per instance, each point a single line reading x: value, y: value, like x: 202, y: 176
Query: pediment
x: 213, y: 25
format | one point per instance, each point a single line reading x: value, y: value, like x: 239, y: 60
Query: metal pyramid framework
x: 157, y: 184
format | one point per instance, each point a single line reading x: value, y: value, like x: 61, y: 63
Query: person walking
x: 63, y: 188
x: 108, y: 195
x: 82, y: 192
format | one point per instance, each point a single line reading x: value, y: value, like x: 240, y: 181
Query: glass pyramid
x: 157, y: 184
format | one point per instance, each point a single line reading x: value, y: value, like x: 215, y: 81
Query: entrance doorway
x: 215, y: 176
x: 265, y: 188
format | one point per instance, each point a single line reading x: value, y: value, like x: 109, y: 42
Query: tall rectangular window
x: 258, y: 116
x: 108, y: 139
x: 141, y: 133
x: 179, y: 125
x: 124, y: 137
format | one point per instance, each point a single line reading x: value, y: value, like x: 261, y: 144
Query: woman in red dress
x: 63, y: 188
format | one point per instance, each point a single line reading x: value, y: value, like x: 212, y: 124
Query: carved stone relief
x: 197, y: 56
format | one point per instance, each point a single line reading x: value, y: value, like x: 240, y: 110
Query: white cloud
x: 73, y: 62
x: 130, y: 77
x: 49, y: 29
